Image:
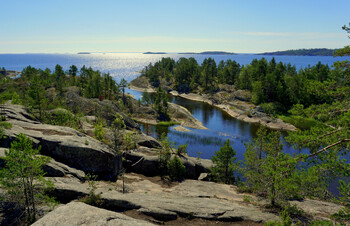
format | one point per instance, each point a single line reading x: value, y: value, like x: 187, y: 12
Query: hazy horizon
x: 183, y: 26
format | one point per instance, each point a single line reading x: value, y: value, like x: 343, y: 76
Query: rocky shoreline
x: 263, y: 119
x: 237, y: 107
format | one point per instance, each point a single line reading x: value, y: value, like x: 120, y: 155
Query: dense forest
x: 274, y: 85
x: 303, y: 52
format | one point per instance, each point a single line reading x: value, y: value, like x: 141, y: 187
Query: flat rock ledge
x: 188, y: 199
x: 78, y: 213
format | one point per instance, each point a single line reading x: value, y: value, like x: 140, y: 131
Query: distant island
x: 154, y: 53
x: 211, y: 53
x: 303, y: 52
x: 84, y: 53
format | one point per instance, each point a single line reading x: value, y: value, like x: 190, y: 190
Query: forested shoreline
x: 303, y: 52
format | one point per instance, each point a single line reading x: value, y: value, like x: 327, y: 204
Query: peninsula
x: 303, y: 52
x: 210, y: 53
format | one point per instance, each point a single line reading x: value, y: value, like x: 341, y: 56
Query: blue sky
x: 250, y: 26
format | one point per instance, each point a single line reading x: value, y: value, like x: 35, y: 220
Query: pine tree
x: 23, y: 178
x: 225, y: 165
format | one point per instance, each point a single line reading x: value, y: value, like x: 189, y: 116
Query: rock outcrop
x: 189, y: 199
x: 146, y: 161
x: 141, y: 83
x: 93, y: 107
x: 184, y: 117
x: 64, y: 144
x: 78, y: 213
x: 194, y: 199
x: 57, y: 169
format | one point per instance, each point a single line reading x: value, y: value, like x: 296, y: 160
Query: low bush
x: 176, y: 168
x: 300, y: 122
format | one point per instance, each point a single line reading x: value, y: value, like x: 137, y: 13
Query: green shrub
x: 321, y: 223
x: 182, y: 149
x: 247, y: 198
x: 176, y: 168
x: 4, y: 125
x: 92, y: 198
x: 99, y: 132
x: 62, y: 117
x: 129, y: 140
x: 300, y: 122
x: 15, y: 98
x: 168, y: 123
x: 272, y: 108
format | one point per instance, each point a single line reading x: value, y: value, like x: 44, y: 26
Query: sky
x: 249, y: 26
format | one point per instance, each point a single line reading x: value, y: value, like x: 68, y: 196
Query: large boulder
x: 78, y: 213
x: 147, y: 141
x: 57, y: 169
x: 64, y: 144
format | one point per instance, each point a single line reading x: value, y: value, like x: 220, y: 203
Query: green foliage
x: 181, y: 149
x: 321, y: 223
x: 129, y: 140
x: 62, y: 117
x: 4, y: 125
x: 118, y: 122
x: 37, y: 100
x: 176, y: 168
x: 276, y: 85
x: 287, y: 214
x: 146, y: 98
x: 247, y: 198
x: 92, y: 198
x: 300, y: 122
x: 167, y: 123
x: 344, y: 191
x: 99, y: 131
x: 23, y: 178
x: 225, y: 165
x: 164, y: 154
x: 161, y: 105
x: 343, y: 215
x: 117, y: 125
x: 15, y: 99
x: 272, y: 108
x: 269, y: 171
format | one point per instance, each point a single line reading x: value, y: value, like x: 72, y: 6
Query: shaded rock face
x: 57, y: 169
x: 147, y: 141
x: 78, y: 213
x: 64, y: 144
